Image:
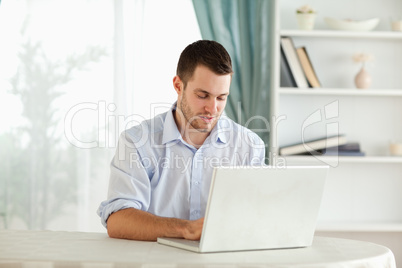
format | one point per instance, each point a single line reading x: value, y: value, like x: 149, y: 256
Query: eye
x: 222, y: 98
x: 202, y: 96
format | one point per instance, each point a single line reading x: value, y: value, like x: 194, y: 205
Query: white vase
x: 363, y: 79
x: 305, y: 21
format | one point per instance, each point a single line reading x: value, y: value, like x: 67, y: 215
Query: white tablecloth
x: 50, y: 249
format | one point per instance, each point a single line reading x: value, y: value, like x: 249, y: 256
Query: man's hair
x: 211, y: 54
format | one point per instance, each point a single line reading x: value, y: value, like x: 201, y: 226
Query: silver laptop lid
x: 262, y: 207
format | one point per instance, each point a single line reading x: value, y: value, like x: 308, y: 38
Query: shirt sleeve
x: 129, y: 184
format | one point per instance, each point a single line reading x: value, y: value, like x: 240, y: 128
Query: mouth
x: 207, y: 119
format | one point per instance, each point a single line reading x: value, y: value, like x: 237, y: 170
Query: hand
x: 193, y: 229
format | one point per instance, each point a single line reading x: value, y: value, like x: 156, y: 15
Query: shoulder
x: 238, y: 131
x: 145, y: 129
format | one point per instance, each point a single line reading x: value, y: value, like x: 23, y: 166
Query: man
x: 161, y: 172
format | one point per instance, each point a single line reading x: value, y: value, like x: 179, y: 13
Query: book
x: 287, y: 79
x: 293, y: 61
x: 348, y: 149
x: 316, y: 146
x: 342, y: 153
x: 307, y: 67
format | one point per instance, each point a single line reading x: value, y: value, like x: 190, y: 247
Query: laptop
x: 254, y: 208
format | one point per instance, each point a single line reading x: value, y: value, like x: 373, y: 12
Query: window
x: 67, y: 70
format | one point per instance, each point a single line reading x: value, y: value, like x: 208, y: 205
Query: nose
x: 212, y: 106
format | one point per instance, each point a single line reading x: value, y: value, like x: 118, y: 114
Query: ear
x: 178, y: 85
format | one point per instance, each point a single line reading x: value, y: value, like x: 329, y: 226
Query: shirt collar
x: 221, y: 131
x: 170, y: 130
x: 171, y: 133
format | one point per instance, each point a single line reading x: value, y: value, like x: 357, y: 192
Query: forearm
x: 140, y: 225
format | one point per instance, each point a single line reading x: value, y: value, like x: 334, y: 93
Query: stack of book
x: 348, y: 149
x: 296, y: 67
x: 328, y: 146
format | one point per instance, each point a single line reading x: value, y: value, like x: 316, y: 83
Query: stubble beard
x: 194, y: 120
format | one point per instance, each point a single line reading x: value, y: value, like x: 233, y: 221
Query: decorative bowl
x: 352, y: 25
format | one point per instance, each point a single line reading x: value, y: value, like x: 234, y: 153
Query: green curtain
x: 244, y: 28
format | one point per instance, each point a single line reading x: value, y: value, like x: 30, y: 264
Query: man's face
x: 204, y: 99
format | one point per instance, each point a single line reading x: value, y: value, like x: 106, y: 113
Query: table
x: 74, y: 249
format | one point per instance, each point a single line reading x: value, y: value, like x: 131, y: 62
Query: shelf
x: 343, y: 34
x: 341, y: 92
x: 359, y: 227
x: 362, y: 192
x: 347, y: 159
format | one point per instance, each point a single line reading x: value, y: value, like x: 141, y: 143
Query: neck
x: 189, y: 134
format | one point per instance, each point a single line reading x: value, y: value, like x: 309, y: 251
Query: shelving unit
x: 346, y: 159
x: 343, y: 34
x: 342, y: 92
x: 363, y: 195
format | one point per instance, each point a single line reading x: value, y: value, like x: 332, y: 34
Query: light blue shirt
x: 155, y: 170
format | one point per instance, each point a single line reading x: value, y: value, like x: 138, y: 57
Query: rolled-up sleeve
x: 129, y: 184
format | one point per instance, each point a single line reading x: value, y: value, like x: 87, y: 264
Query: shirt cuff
x: 108, y: 207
